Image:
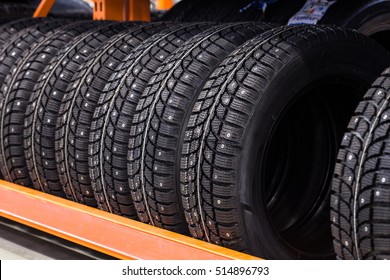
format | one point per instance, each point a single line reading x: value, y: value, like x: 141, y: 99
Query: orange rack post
x: 44, y: 8
x: 110, y: 234
x: 121, y: 10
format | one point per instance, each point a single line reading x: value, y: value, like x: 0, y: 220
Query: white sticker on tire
x: 311, y: 13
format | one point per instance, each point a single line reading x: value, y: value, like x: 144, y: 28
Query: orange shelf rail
x: 110, y: 234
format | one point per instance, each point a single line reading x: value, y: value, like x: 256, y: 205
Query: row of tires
x: 225, y: 132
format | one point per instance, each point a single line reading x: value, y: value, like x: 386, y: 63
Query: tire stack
x: 225, y: 132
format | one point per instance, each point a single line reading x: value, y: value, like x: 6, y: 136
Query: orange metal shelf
x: 110, y: 234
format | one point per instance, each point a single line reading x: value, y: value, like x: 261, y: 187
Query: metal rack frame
x: 101, y: 231
x: 121, y: 10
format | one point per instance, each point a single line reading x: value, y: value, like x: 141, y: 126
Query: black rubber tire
x: 360, y: 191
x: 16, y: 91
x: 76, y: 9
x: 45, y: 102
x: 110, y: 129
x: 184, y: 10
x: 12, y: 10
x: 16, y: 43
x: 8, y: 30
x: 262, y: 139
x: 156, y: 130
x: 76, y: 112
x: 11, y: 28
x: 360, y: 15
x: 232, y: 11
x: 205, y: 11
x: 23, y: 41
x: 370, y: 17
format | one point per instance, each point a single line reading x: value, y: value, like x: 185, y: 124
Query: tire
x: 185, y: 10
x: 232, y: 11
x: 359, y: 15
x: 110, y: 129
x: 12, y: 11
x: 11, y: 28
x: 76, y: 9
x: 371, y: 17
x: 45, y: 102
x: 360, y: 189
x: 76, y: 111
x: 7, y: 31
x: 7, y: 39
x: 24, y: 40
x: 15, y: 44
x: 154, y: 146
x: 203, y: 11
x: 368, y: 17
x: 261, y: 141
x: 16, y: 91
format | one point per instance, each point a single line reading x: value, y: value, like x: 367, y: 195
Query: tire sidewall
x: 368, y: 17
